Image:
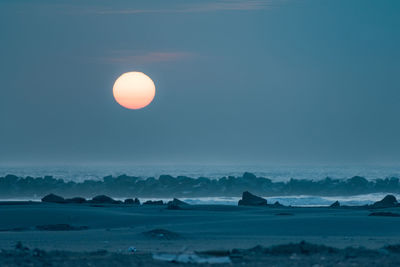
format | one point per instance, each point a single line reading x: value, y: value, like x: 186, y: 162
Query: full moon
x: 134, y: 90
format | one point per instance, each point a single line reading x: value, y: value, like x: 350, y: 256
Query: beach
x: 119, y: 227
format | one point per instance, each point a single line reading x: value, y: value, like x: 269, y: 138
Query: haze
x: 237, y: 81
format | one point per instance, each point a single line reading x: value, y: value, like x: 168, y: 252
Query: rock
x: 388, y: 201
x: 78, y: 200
x: 335, y: 204
x: 277, y: 205
x: 129, y: 201
x: 176, y: 204
x: 249, y: 199
x: 103, y: 199
x: 51, y: 198
x: 155, y: 202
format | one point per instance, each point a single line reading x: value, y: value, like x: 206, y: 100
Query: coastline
x: 294, y: 200
x: 159, y: 235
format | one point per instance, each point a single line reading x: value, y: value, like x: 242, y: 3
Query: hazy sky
x: 236, y: 81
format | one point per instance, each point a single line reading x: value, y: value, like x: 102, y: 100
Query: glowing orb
x: 134, y: 90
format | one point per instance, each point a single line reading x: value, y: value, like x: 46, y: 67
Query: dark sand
x: 115, y: 228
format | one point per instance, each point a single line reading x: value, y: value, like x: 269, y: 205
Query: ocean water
x: 81, y: 172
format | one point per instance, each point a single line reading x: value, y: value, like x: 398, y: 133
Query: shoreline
x: 294, y: 201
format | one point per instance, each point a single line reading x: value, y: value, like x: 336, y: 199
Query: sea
x: 277, y: 173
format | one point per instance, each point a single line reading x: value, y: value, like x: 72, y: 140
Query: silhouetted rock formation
x: 277, y: 205
x: 51, y: 198
x: 131, y: 201
x: 102, y: 199
x: 77, y: 200
x: 249, y: 199
x: 388, y: 201
x: 335, y: 204
x: 155, y: 202
x: 176, y: 204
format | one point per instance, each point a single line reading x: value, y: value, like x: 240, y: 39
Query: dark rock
x: 277, y: 205
x: 249, y: 199
x: 388, y: 201
x: 78, y: 200
x: 385, y: 214
x: 51, y: 198
x: 335, y: 204
x: 102, y: 199
x: 176, y: 204
x: 284, y: 214
x: 155, y: 202
x: 129, y: 201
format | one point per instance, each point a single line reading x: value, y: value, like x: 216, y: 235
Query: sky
x: 237, y: 81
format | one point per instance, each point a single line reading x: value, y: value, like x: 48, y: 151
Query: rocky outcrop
x: 51, y: 198
x: 249, y: 199
x: 155, y: 202
x: 277, y: 205
x: 176, y: 204
x: 388, y: 201
x: 103, y: 199
x: 77, y: 200
x: 335, y: 204
x: 130, y: 201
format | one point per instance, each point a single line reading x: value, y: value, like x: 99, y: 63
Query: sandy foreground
x: 127, y: 233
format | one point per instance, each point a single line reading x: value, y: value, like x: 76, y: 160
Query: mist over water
x: 277, y: 173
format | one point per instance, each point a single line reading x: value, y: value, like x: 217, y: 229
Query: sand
x: 116, y: 228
